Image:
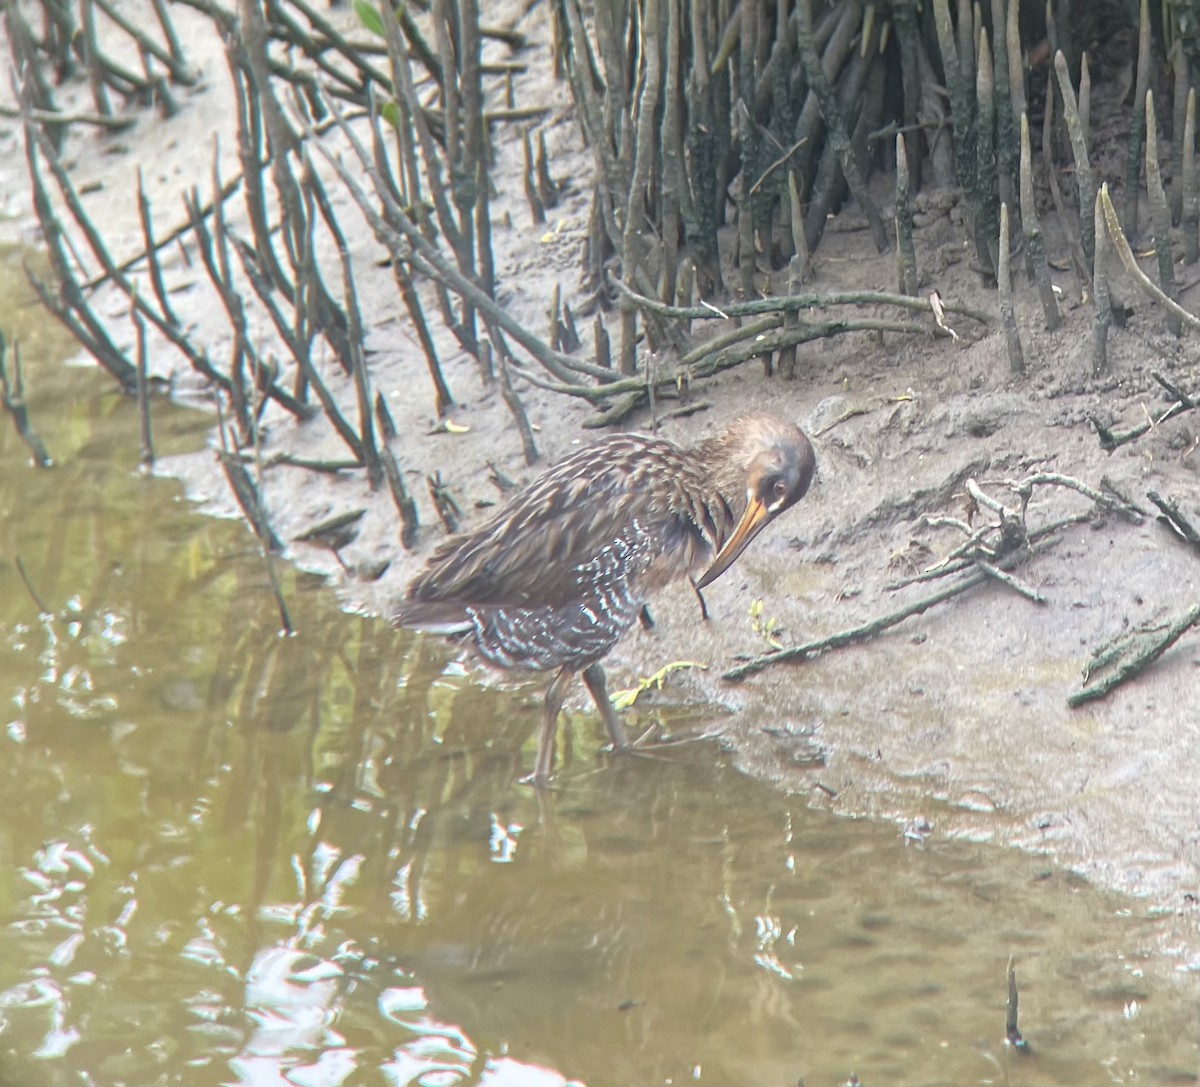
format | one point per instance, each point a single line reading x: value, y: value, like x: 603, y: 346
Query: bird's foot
x: 652, y: 737
x: 538, y: 780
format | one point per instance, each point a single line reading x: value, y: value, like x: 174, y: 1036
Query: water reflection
x: 235, y: 858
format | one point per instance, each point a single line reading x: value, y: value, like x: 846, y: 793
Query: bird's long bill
x: 747, y: 528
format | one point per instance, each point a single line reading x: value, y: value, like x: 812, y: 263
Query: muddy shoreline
x: 954, y: 722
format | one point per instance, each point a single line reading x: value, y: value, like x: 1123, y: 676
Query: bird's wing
x: 529, y: 553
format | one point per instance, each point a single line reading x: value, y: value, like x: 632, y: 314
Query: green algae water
x: 229, y: 857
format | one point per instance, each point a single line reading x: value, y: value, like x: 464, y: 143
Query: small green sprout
x: 765, y: 629
x: 622, y: 700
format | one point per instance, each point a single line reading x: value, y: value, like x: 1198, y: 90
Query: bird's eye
x: 780, y: 490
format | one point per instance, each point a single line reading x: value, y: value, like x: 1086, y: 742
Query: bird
x: 553, y: 579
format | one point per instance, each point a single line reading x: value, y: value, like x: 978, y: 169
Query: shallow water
x: 230, y: 857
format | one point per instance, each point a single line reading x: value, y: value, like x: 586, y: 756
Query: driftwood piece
x: 1132, y: 655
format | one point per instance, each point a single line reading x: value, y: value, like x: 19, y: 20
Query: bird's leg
x: 555, y: 694
x: 593, y: 676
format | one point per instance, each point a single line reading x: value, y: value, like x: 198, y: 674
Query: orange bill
x: 747, y: 528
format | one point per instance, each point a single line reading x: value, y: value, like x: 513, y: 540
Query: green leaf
x: 368, y: 15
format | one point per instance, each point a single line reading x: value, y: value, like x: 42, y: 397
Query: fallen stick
x: 1006, y: 578
x: 854, y: 634
x: 1150, y: 651
x: 1175, y: 518
x: 875, y: 626
x: 958, y: 565
x: 50, y: 117
x: 788, y: 302
x: 1113, y: 439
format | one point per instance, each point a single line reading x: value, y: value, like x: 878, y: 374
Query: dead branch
x: 1132, y: 655
x: 791, y: 302
x: 1005, y: 578
x: 869, y: 629
x: 1010, y: 531
x: 1113, y: 439
x: 1175, y: 519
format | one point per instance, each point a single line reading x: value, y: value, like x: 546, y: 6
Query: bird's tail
x: 432, y: 617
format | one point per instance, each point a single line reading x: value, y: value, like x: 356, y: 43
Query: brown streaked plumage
x: 555, y: 577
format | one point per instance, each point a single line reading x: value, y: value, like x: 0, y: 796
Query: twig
x: 875, y: 626
x: 855, y: 634
x: 1110, y: 439
x: 1176, y: 518
x: 73, y: 309
x: 37, y: 600
x: 788, y: 302
x: 287, y: 460
x: 1005, y: 578
x: 61, y: 120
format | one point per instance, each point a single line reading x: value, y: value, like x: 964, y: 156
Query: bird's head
x: 774, y: 461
